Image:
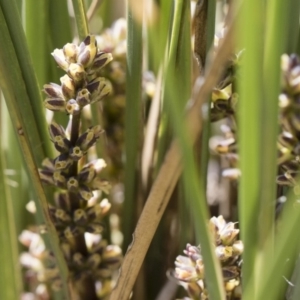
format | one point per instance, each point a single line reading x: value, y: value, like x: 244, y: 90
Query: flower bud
x: 55, y: 104
x: 87, y: 174
x: 102, y: 185
x: 46, y: 176
x: 76, y: 153
x: 70, y: 51
x: 99, y: 88
x: 76, y: 72
x: 283, y: 180
x: 287, y: 140
x: 68, y: 87
x: 295, y: 119
x: 230, y: 272
x: 62, y: 216
x: 53, y: 90
x: 83, y: 97
x: 89, y: 137
x: 60, y: 59
x: 61, y: 199
x: 87, y: 51
x: 194, y: 290
x: 102, y: 59
x: 59, y: 179
x: 85, y: 193
x: 224, y: 252
x: 72, y: 107
x: 98, y: 210
x: 112, y: 255
x: 238, y: 248
x: 62, y: 162
x: 71, y: 231
x: 72, y: 184
x: 58, y: 137
x: 80, y: 217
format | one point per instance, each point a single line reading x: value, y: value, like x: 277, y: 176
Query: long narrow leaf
x: 274, y: 46
x: 17, y: 98
x: 133, y: 120
x: 250, y: 133
x: 10, y: 283
x: 11, y: 19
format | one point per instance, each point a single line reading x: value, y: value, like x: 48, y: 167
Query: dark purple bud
x: 62, y: 200
x: 102, y: 59
x: 87, y: 174
x: 76, y: 153
x: 83, y: 97
x: 72, y: 107
x: 63, y: 162
x: 85, y: 193
x: 53, y: 90
x: 72, y: 184
x: 68, y: 87
x: 59, y: 179
x: 55, y: 104
x: 80, y: 217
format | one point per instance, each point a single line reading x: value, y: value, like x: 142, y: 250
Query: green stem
x: 81, y: 19
x: 132, y: 122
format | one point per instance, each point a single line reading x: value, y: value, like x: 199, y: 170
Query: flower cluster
x: 40, y: 263
x: 190, y: 269
x: 81, y: 85
x: 289, y: 109
x: 77, y: 214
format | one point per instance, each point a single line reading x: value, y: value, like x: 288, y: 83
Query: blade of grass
x: 80, y: 17
x: 167, y: 178
x: 16, y: 92
x: 13, y: 159
x: 34, y: 33
x: 210, y: 33
x: 275, y: 44
x: 59, y: 23
x: 249, y: 134
x: 286, y: 250
x: 292, y: 26
x: 151, y: 135
x: 11, y: 282
x: 133, y: 119
x: 293, y: 291
x: 11, y: 19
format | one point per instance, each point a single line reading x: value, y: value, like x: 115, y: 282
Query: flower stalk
x: 77, y: 213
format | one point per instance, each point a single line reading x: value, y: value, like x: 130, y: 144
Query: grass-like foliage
x: 149, y: 149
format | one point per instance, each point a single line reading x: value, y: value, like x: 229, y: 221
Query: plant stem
x: 81, y: 19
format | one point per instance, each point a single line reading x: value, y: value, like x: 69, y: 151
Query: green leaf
x: 19, y: 92
x: 133, y: 122
x: 11, y: 282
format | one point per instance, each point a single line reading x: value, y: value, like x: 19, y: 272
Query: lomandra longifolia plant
x: 77, y: 212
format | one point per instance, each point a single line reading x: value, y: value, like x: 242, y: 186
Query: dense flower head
x: 77, y: 210
x: 190, y: 269
x: 80, y: 85
x: 289, y: 109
